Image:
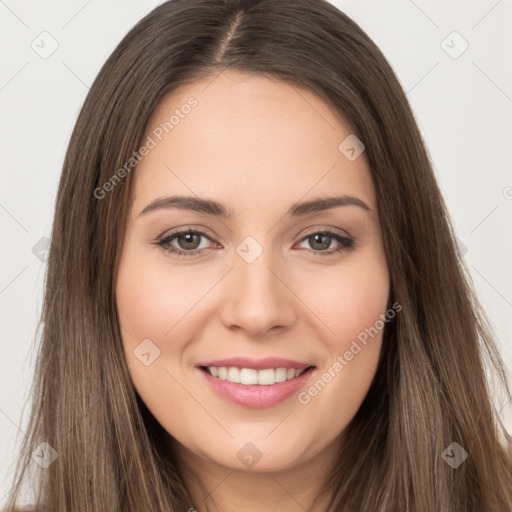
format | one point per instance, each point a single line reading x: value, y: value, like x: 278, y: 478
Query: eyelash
x: 346, y: 243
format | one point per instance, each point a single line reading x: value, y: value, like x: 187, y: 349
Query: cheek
x: 154, y: 300
x: 150, y: 304
x: 352, y: 311
x: 349, y: 299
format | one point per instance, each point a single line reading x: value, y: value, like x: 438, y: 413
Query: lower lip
x: 257, y: 396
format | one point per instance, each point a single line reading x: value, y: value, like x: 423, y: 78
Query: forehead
x: 248, y: 138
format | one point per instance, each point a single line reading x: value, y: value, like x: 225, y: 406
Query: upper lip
x: 256, y: 364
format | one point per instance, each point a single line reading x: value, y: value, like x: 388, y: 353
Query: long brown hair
x: 431, y: 387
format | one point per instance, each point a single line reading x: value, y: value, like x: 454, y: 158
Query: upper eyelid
x: 337, y: 231
x: 185, y: 229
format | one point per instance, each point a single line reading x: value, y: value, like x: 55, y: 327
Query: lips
x: 255, y: 364
x: 256, y: 396
x: 252, y: 386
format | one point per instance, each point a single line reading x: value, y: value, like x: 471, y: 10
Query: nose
x: 258, y: 297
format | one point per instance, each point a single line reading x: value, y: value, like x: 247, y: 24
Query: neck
x: 217, y: 488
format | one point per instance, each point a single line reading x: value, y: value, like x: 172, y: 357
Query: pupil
x: 317, y: 237
x: 189, y: 240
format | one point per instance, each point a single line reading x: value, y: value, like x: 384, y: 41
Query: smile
x: 247, y: 387
x: 249, y: 376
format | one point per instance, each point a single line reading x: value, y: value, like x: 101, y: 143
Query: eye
x: 188, y: 241
x: 322, y: 240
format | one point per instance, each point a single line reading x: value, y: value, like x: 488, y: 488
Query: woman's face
x: 262, y: 281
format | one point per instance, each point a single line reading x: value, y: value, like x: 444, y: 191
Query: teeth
x: 249, y: 376
x: 233, y: 375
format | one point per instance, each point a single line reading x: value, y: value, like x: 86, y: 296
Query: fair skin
x: 256, y: 145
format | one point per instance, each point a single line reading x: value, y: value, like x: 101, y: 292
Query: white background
x: 463, y: 107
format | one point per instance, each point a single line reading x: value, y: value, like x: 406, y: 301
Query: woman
x: 254, y: 295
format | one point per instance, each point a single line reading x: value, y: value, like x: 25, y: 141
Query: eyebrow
x: 211, y: 207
